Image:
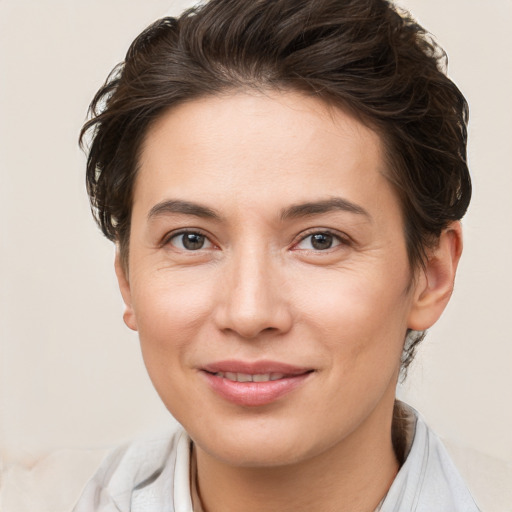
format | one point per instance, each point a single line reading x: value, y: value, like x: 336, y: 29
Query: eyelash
x: 337, y: 237
x: 175, y: 234
x: 341, y: 239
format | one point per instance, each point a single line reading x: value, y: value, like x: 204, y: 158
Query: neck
x: 353, y: 475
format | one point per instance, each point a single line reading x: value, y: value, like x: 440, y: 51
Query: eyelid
x: 166, y: 239
x: 342, y: 238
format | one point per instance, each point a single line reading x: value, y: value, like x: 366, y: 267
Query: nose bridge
x: 254, y: 301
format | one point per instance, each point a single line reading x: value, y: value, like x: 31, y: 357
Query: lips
x: 247, y: 377
x: 254, y: 384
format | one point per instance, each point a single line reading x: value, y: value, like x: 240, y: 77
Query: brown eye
x: 190, y: 241
x: 320, y: 241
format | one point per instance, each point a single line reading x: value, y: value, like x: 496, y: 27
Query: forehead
x: 260, y: 149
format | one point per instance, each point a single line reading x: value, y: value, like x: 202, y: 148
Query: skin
x: 259, y: 289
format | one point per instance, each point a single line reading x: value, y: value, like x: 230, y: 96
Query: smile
x: 246, y: 377
x: 254, y: 384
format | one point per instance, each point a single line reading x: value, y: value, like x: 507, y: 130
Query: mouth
x: 247, y: 377
x: 254, y: 384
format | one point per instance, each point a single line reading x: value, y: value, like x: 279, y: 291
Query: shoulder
x: 428, y: 480
x: 139, y: 475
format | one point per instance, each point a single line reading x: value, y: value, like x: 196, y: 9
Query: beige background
x: 70, y: 371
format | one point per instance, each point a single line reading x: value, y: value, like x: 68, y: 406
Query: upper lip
x: 254, y: 367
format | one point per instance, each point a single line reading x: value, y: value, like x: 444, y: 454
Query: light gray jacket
x: 153, y: 476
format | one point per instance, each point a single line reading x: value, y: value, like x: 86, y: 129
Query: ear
x: 124, y: 286
x: 434, y: 284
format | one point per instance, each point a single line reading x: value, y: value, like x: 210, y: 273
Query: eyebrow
x: 319, y: 207
x: 177, y: 206
x: 172, y: 206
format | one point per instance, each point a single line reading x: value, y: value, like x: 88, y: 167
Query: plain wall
x: 70, y: 372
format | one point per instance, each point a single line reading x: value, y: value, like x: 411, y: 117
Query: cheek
x: 360, y: 331
x: 358, y: 318
x: 170, y: 311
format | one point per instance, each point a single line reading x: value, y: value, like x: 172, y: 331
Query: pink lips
x: 253, y: 384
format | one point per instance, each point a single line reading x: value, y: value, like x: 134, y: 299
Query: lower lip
x: 253, y: 394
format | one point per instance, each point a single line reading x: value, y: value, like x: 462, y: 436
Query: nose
x: 254, y: 301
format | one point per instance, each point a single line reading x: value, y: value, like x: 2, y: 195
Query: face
x: 268, y: 275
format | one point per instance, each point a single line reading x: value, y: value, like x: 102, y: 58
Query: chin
x: 261, y: 444
x: 256, y: 456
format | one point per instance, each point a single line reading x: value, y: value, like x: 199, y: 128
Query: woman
x: 283, y: 181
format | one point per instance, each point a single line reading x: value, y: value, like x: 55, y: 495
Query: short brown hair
x: 362, y: 55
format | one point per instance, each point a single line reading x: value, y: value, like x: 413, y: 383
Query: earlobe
x: 434, y: 284
x: 124, y: 287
